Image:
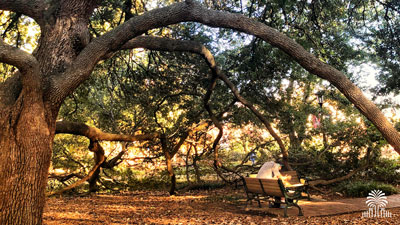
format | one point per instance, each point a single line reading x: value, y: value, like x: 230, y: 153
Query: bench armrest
x: 304, y: 181
x: 293, y: 194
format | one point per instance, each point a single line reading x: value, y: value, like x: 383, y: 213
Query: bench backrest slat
x: 271, y: 187
x: 264, y: 186
x: 253, y: 185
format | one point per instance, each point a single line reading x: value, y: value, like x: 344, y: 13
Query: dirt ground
x: 224, y: 206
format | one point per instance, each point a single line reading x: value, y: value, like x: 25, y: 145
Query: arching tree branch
x: 214, y: 119
x: 25, y: 62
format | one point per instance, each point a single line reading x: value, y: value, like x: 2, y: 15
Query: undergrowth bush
x: 363, y: 188
x: 385, y: 170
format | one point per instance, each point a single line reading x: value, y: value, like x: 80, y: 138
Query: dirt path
x: 202, y: 207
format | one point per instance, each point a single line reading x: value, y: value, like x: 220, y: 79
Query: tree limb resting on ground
x: 94, y: 134
x: 345, y: 177
x: 338, y: 179
x: 94, y: 147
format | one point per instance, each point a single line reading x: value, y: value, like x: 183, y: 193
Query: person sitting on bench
x: 271, y: 170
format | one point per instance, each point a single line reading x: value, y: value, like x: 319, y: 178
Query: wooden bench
x: 269, y: 189
x: 295, y: 179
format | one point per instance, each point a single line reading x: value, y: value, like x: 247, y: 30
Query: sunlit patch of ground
x: 202, y: 207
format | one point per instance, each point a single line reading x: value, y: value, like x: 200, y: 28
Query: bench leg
x: 247, y: 202
x: 250, y: 197
x: 308, y: 194
x: 300, y: 210
x: 292, y: 202
x: 285, y: 211
x: 305, y: 190
x: 258, y: 200
x: 295, y: 204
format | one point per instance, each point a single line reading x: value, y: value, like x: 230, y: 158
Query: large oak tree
x: 66, y: 56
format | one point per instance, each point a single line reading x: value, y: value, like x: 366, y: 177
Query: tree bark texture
x: 65, y: 57
x: 25, y: 153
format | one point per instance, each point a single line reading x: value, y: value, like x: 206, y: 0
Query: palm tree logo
x: 376, y: 200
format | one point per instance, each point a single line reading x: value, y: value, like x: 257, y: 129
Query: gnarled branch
x: 94, y: 133
x: 25, y: 62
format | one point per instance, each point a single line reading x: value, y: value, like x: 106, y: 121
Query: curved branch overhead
x: 98, y: 48
x: 307, y: 60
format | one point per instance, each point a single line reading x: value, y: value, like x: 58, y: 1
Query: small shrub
x: 385, y: 170
x: 363, y: 188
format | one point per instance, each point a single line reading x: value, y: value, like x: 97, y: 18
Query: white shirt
x: 269, y: 170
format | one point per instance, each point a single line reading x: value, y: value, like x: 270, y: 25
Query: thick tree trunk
x: 187, y: 164
x: 27, y: 117
x: 99, y: 158
x: 171, y: 173
x: 93, y: 181
x: 196, y: 167
x: 26, y: 139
